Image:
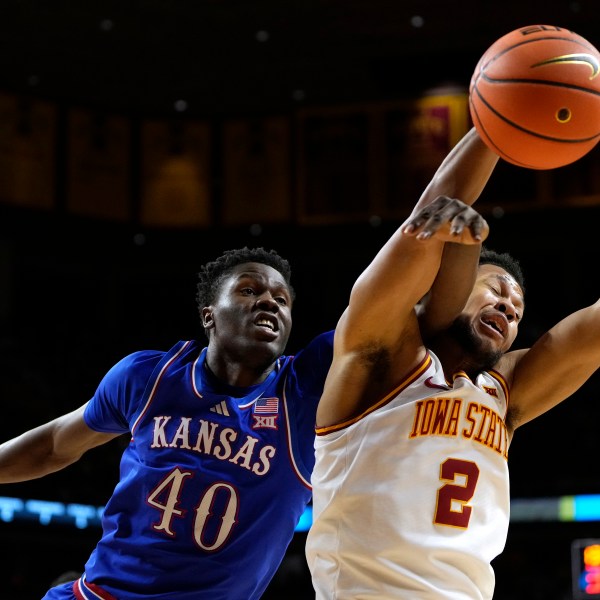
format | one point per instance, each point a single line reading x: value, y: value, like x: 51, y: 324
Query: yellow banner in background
x: 28, y: 130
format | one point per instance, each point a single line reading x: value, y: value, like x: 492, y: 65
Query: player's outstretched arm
x: 408, y: 271
x: 445, y: 275
x: 463, y: 174
x: 48, y: 448
x: 555, y: 367
x: 379, y: 327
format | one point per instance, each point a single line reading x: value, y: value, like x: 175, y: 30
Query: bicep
x: 71, y: 436
x: 383, y: 299
x: 557, y: 365
x: 361, y: 375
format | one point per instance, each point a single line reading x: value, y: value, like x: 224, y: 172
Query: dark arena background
x: 140, y: 139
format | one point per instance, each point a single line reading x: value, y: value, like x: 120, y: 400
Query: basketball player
x: 217, y: 472
x: 411, y: 483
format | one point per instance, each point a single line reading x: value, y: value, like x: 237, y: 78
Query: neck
x: 455, y: 356
x: 236, y: 373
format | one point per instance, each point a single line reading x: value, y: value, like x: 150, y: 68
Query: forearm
x: 462, y: 175
x: 29, y: 456
x: 464, y: 172
x: 48, y: 448
x: 451, y: 288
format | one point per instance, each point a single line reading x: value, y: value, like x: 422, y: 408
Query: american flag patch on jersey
x: 266, y: 406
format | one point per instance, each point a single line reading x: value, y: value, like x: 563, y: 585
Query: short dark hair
x: 212, y: 273
x: 504, y: 261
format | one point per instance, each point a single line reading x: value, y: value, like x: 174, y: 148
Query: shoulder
x: 319, y: 349
x: 137, y: 362
x: 507, y: 364
x: 308, y: 368
x: 140, y: 365
x: 181, y: 348
x: 506, y: 367
x: 123, y: 389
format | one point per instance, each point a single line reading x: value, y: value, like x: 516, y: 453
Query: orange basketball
x: 535, y: 97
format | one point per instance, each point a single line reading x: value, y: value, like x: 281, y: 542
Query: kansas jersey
x: 411, y: 499
x: 214, y: 479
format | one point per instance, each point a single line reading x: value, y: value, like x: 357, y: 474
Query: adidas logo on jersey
x: 220, y: 409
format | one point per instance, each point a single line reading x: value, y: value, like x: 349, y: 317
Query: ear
x: 207, y: 318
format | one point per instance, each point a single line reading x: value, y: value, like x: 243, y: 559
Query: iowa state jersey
x: 214, y: 480
x: 411, y: 498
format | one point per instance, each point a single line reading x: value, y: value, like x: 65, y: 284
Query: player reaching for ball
x: 411, y: 482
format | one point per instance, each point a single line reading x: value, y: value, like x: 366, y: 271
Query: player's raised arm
x: 379, y: 327
x: 406, y: 268
x: 48, y: 448
x: 555, y: 367
x: 380, y: 323
x: 463, y: 174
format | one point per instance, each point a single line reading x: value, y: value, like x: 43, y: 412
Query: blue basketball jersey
x: 214, y: 480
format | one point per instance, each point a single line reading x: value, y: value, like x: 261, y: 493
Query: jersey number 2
x: 452, y: 502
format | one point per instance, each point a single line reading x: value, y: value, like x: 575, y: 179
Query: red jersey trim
x: 494, y: 375
x: 90, y: 591
x: 416, y: 373
x: 503, y: 384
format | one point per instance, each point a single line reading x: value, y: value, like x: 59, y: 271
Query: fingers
x: 429, y: 217
x: 448, y: 219
x: 477, y: 226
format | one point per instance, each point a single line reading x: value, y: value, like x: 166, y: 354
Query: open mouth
x: 269, y: 324
x: 497, y: 322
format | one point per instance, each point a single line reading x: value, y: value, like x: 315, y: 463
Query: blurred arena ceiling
x: 224, y: 57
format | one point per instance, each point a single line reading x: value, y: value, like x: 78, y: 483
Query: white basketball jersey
x: 411, y: 498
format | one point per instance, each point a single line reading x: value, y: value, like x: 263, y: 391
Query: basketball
x: 534, y: 97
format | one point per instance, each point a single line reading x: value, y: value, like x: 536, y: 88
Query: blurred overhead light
x: 417, y: 21
x: 106, y: 25
x: 262, y: 36
x: 298, y: 95
x: 180, y: 105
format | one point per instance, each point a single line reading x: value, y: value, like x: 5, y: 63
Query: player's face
x: 494, y: 309
x: 251, y: 318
